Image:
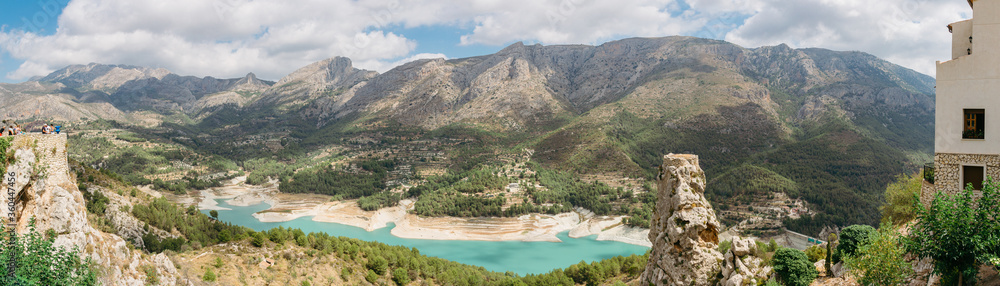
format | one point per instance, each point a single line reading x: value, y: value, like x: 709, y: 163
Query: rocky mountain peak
x: 101, y: 76
x: 332, y: 71
x: 312, y: 81
x: 249, y: 83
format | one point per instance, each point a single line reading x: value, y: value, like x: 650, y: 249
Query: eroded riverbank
x: 531, y: 227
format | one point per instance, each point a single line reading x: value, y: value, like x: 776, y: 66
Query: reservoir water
x: 517, y: 256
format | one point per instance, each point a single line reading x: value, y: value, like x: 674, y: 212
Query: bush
x: 793, y: 267
x: 152, y: 277
x: 371, y: 277
x: 901, y: 198
x: 880, y: 261
x: 400, y: 276
x: 959, y: 233
x: 41, y: 263
x: 218, y: 262
x: 850, y: 238
x: 815, y: 253
x: 209, y: 275
x: 725, y: 245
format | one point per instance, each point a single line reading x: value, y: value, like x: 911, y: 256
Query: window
x: 973, y: 175
x: 974, y: 124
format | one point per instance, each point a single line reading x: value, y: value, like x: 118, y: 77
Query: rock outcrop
x: 741, y: 267
x: 684, y: 230
x: 46, y: 190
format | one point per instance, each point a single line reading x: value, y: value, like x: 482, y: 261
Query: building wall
x: 960, y: 33
x: 970, y: 82
x: 948, y: 169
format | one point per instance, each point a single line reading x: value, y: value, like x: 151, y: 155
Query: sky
x: 272, y: 38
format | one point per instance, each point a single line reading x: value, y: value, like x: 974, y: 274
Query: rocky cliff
x: 684, y: 230
x: 47, y: 191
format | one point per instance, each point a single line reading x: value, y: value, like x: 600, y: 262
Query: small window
x: 974, y: 124
x: 973, y: 175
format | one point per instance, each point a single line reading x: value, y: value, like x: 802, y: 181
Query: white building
x: 967, y: 120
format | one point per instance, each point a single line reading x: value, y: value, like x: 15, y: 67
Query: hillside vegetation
x: 830, y: 128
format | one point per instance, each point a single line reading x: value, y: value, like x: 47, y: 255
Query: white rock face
x: 740, y: 267
x: 684, y: 230
x: 46, y: 191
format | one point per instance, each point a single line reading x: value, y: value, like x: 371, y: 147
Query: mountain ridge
x: 853, y: 120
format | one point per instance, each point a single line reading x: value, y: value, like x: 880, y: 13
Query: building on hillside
x: 967, y: 112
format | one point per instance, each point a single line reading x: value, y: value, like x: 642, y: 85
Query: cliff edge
x: 46, y: 190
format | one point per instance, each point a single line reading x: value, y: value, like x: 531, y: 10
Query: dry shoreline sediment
x: 531, y: 227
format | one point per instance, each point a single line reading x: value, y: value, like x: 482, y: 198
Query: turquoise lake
x: 517, y: 256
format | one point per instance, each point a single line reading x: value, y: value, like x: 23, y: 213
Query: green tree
x: 400, y: 276
x: 850, y: 238
x: 378, y: 264
x: 815, y: 253
x: 901, y: 198
x: 41, y: 263
x: 793, y: 267
x: 214, y: 214
x: 371, y: 277
x: 258, y: 239
x: 959, y: 233
x: 831, y: 240
x: 880, y: 261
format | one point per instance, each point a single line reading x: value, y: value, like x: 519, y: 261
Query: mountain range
x: 830, y: 127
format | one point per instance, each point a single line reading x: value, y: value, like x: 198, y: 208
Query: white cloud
x: 382, y: 66
x: 228, y: 38
x: 222, y: 38
x: 911, y: 33
x: 579, y: 21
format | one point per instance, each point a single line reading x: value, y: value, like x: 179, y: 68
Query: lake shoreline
x: 531, y: 227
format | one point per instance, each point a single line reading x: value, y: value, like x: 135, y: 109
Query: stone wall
x: 947, y: 169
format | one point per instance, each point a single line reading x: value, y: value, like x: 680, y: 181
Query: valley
x: 531, y: 145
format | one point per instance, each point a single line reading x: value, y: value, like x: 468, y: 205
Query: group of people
x: 13, y: 128
x: 50, y: 129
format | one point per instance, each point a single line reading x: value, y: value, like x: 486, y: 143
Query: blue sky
x: 229, y: 38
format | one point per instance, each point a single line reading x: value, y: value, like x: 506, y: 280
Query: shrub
x: 400, y: 276
x: 959, y: 233
x: 880, y: 261
x: 41, y: 263
x: 371, y: 277
x: 901, y: 198
x: 815, y: 253
x: 725, y: 245
x: 218, y: 262
x: 793, y: 267
x: 850, y: 238
x: 152, y: 278
x: 209, y: 275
